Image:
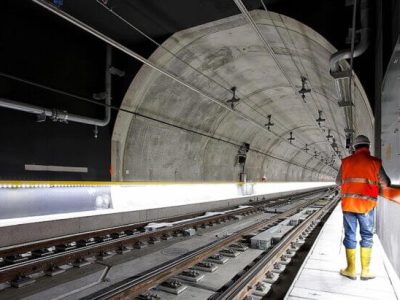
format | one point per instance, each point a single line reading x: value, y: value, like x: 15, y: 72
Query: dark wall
x: 40, y: 47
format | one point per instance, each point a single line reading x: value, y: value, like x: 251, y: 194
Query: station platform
x: 319, y: 276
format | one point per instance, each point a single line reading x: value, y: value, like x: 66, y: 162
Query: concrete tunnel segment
x: 190, y: 138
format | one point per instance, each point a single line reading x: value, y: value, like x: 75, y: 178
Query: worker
x: 360, y: 177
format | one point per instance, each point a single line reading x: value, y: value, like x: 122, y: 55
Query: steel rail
x: 34, y: 265
x: 135, y: 285
x: 47, y: 243
x: 240, y: 288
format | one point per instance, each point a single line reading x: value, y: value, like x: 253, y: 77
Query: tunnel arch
x: 204, y: 139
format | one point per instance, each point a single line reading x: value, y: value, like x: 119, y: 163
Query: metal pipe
x: 53, y: 114
x: 28, y: 108
x: 62, y: 115
x: 107, y: 111
x: 133, y: 54
x: 337, y: 57
x: 343, y: 79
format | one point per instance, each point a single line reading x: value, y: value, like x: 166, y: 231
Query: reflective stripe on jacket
x: 360, y: 181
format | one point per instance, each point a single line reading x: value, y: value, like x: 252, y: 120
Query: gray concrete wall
x: 388, y: 213
x: 230, y: 53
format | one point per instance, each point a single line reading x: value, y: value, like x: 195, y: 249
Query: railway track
x: 138, y: 284
x: 241, y: 287
x: 19, y: 261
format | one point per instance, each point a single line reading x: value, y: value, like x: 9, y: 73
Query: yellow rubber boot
x: 350, y: 271
x: 365, y: 261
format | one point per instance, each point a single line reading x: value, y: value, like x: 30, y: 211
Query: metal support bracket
x: 349, y: 130
x: 341, y: 74
x: 344, y: 103
x: 115, y: 71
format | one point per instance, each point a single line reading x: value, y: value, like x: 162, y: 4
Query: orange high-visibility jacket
x: 360, y: 181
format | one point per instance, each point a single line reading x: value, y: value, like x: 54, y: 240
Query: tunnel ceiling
x: 181, y: 135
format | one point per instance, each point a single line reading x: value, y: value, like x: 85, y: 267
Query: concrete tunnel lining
x: 144, y: 150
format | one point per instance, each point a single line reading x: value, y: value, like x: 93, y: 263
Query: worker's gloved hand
x: 391, y: 193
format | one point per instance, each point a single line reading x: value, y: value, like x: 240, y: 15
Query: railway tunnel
x: 189, y: 149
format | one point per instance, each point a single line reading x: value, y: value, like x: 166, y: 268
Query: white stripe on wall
x: 56, y: 168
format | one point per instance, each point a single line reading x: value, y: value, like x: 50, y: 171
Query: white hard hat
x: 361, y: 140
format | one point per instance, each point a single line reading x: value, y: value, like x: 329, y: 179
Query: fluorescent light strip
x: 56, y: 168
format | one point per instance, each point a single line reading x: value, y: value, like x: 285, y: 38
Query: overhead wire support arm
x: 291, y: 138
x: 269, y: 124
x: 234, y: 99
x: 320, y: 118
x: 304, y: 90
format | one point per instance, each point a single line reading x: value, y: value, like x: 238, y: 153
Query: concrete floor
x: 319, y: 277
